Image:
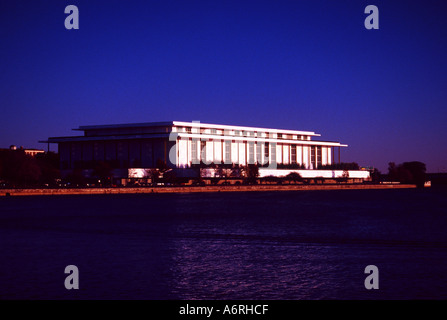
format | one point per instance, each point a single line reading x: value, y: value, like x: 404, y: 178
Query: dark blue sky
x: 305, y: 65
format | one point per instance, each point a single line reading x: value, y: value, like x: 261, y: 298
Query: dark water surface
x: 254, y: 245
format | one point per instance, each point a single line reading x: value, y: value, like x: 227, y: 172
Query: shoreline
x: 195, y: 189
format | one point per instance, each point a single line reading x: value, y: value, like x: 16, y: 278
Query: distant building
x: 185, y: 145
x: 30, y: 152
x: 33, y: 152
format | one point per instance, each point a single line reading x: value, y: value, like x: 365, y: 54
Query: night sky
x: 304, y: 65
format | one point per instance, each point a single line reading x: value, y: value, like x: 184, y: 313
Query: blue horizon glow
x: 301, y: 65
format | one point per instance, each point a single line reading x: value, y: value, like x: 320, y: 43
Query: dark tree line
x: 17, y: 169
x: 413, y: 172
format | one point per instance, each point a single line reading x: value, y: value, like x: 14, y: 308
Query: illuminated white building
x: 183, y: 145
x: 210, y: 143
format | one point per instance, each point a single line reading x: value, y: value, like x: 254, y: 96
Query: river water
x: 242, y: 245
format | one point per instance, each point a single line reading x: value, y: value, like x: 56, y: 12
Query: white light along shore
x: 190, y: 189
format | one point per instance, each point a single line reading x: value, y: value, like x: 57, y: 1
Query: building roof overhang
x: 192, y: 124
x: 104, y: 138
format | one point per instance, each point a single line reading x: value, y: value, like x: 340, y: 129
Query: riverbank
x: 189, y: 189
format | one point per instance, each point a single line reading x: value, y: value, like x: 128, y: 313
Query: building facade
x: 183, y: 145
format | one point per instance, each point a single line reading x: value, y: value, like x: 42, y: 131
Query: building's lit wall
x: 245, y: 152
x: 183, y: 146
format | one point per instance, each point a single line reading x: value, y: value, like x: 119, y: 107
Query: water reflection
x: 286, y: 245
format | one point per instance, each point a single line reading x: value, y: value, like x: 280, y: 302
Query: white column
x: 324, y: 155
x: 234, y: 152
x: 279, y: 153
x: 209, y: 151
x: 306, y: 156
x: 182, y: 146
x: 299, y: 156
x: 218, y: 157
x: 242, y: 151
x: 286, y: 154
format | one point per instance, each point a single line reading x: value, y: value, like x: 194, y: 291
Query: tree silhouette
x: 293, y: 176
x: 413, y: 172
x: 417, y: 171
x: 103, y: 171
x: 49, y: 166
x: 19, y: 169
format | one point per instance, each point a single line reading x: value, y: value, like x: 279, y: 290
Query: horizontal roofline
x: 126, y: 125
x: 103, y: 138
x: 192, y: 124
x: 202, y: 136
x: 224, y: 126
